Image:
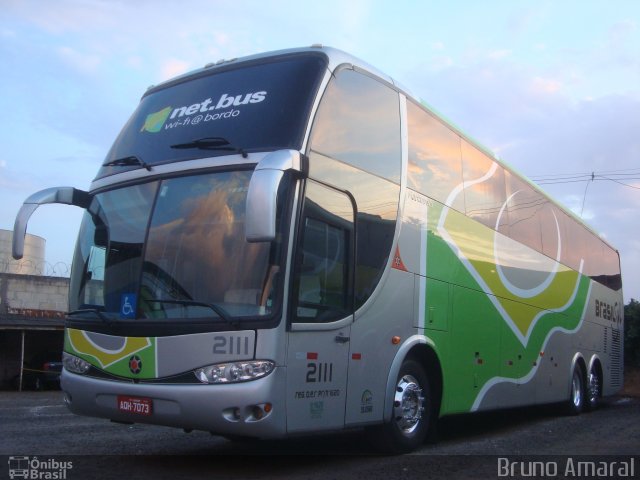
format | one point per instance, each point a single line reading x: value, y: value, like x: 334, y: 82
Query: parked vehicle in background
x: 40, y: 373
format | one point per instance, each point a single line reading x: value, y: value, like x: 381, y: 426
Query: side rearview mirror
x: 63, y: 195
x: 260, y: 223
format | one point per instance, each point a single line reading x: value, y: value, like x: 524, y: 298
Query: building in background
x: 33, y: 302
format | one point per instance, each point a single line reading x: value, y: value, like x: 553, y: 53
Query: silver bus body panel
x: 549, y: 381
x: 198, y: 407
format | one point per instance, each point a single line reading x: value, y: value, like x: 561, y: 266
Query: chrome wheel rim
x: 576, y: 390
x: 408, y: 405
x: 594, y: 388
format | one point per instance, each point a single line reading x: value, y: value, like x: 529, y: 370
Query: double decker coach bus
x: 291, y: 243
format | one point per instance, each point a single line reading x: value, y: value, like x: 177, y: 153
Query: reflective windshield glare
x: 251, y: 107
x: 195, y: 262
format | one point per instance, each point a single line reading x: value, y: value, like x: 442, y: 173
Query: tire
x: 413, y: 417
x: 593, y: 390
x: 576, y: 403
x: 238, y: 438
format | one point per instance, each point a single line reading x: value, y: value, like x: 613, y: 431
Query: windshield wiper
x: 95, y: 311
x: 221, y: 312
x: 211, y: 143
x: 127, y: 162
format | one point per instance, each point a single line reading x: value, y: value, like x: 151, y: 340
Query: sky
x: 552, y: 87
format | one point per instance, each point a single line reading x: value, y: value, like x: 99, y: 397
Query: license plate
x: 135, y: 405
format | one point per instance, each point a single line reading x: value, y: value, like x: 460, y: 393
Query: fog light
x: 258, y: 413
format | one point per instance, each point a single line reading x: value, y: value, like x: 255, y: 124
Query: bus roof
x: 338, y: 58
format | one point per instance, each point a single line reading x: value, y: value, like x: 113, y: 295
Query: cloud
x: 68, y: 15
x: 620, y: 32
x: 545, y: 85
x: 499, y: 54
x: 523, y: 19
x: 84, y: 63
x: 441, y: 62
x: 172, y: 67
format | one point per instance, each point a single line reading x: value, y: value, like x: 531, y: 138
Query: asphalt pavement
x: 38, y: 425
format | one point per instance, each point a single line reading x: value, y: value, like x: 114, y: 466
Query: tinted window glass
x: 358, y: 122
x: 612, y: 277
x: 196, y: 251
x: 524, y: 204
x: 485, y: 191
x: 601, y: 262
x: 260, y: 106
x: 185, y: 257
x: 322, y: 284
x: 595, y: 266
x: 435, y: 167
x: 108, y: 254
x: 551, y: 227
x: 377, y: 209
x: 574, y: 244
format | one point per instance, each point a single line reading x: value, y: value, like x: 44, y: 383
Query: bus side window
x: 324, y: 262
x: 355, y: 143
x: 435, y: 162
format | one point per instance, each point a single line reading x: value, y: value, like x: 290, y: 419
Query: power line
x: 623, y: 170
x: 626, y: 185
x: 561, y: 175
x: 630, y: 174
x: 595, y: 179
x: 563, y: 178
x: 623, y: 174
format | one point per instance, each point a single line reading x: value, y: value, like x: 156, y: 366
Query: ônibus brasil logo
x: 187, y: 114
x: 32, y: 467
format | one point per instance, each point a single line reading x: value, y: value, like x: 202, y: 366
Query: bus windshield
x: 174, y: 249
x: 261, y: 105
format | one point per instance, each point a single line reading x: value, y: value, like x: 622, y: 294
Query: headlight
x: 74, y: 364
x: 234, y: 372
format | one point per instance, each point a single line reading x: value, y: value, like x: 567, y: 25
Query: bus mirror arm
x: 62, y: 195
x: 261, y: 207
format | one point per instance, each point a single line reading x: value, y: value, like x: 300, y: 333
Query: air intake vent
x: 616, y: 358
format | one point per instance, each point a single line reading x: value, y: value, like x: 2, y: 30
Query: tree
x: 632, y: 333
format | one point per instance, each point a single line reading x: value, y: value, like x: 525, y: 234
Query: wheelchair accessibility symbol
x: 128, y: 303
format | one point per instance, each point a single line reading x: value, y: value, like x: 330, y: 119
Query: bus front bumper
x: 233, y: 409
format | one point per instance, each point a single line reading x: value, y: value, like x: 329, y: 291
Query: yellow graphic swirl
x: 82, y: 343
x: 486, y: 253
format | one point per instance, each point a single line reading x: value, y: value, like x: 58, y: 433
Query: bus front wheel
x: 412, y: 418
x: 576, y: 402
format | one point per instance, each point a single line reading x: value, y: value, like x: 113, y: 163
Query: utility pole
x: 584, y: 197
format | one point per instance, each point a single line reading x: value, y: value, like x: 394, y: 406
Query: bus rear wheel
x: 593, y: 389
x: 412, y: 417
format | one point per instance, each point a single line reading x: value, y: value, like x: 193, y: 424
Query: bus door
x: 321, y: 311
